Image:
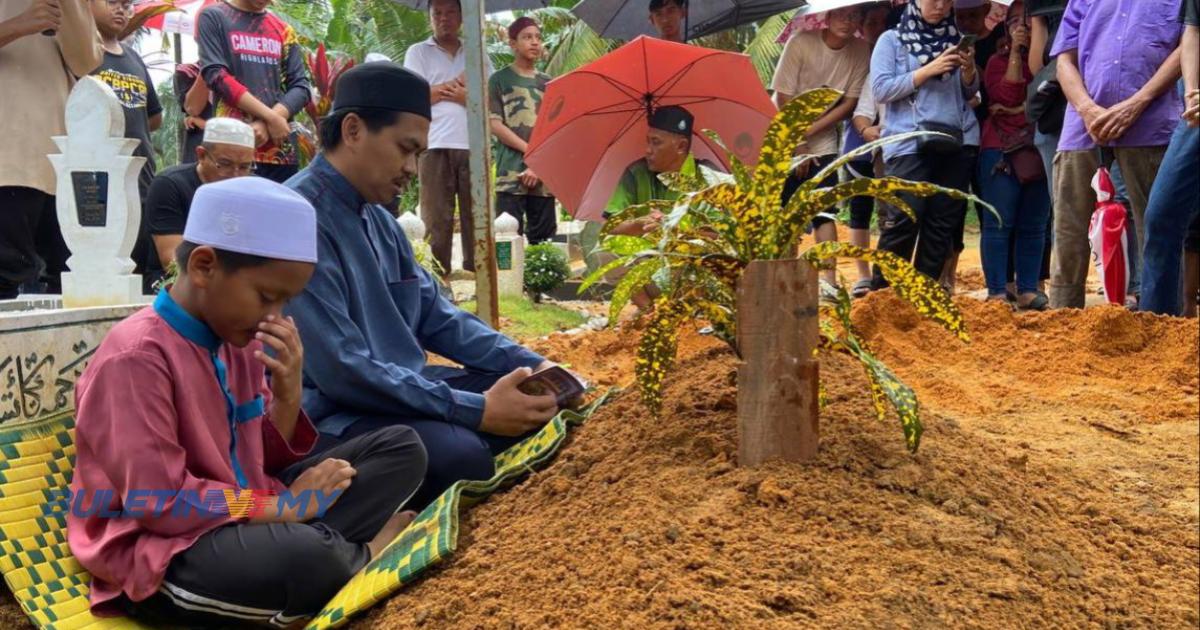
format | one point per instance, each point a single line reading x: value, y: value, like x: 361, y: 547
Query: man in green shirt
x: 668, y: 148
x: 514, y: 94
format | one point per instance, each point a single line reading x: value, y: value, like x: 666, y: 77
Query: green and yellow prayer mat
x: 36, y: 461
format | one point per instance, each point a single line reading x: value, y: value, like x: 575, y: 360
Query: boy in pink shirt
x: 193, y: 499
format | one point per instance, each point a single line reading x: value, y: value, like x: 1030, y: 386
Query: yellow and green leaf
x: 635, y: 279
x: 656, y: 350
x: 919, y: 290
x: 783, y: 135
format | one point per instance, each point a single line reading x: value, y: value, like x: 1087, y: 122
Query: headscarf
x: 924, y: 40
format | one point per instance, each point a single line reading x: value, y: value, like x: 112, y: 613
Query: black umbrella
x: 626, y: 19
x: 491, y: 6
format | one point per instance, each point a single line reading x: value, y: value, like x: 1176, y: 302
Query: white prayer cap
x: 253, y: 215
x: 970, y: 4
x: 228, y: 131
x: 376, y: 57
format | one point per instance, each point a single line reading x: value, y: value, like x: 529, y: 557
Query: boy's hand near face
x: 287, y: 370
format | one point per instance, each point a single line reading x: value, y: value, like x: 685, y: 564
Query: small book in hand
x: 556, y: 380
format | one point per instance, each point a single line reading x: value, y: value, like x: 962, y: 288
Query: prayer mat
x: 36, y: 461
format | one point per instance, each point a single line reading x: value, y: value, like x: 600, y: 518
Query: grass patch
x: 522, y: 318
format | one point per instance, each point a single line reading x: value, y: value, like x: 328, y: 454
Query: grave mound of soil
x: 1056, y: 482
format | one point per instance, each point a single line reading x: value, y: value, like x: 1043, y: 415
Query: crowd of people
x: 304, y: 276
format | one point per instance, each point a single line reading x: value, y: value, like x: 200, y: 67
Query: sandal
x: 861, y: 288
x: 1040, y: 302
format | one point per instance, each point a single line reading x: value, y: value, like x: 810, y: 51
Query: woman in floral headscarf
x: 926, y: 83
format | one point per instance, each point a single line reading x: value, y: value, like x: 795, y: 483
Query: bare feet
x: 391, y: 529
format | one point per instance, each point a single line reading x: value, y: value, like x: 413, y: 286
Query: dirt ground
x: 1056, y: 486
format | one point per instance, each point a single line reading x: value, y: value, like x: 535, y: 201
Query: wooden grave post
x: 777, y: 381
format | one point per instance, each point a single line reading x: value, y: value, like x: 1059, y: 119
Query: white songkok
x: 228, y: 131
x: 253, y: 215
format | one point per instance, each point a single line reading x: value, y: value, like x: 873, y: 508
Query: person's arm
x: 154, y: 107
x: 295, y: 80
x: 1190, y: 63
x: 1005, y: 81
x: 783, y: 81
x: 1039, y: 42
x: 888, y: 84
x: 341, y: 365
x: 496, y: 118
x: 40, y: 15
x: 1077, y: 95
x: 1120, y: 117
x: 78, y: 39
x: 165, y: 246
x: 197, y: 98
x: 831, y: 118
x: 215, y: 70
x: 1189, y: 60
x: 114, y: 437
x: 507, y: 136
x: 165, y: 218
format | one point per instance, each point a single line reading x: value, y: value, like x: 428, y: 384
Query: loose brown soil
x: 1056, y: 486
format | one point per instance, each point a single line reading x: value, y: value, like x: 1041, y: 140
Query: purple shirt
x: 1121, y: 45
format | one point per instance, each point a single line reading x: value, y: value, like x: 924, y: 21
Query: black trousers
x: 932, y: 236
x: 537, y: 216
x: 275, y: 574
x: 455, y: 451
x: 794, y: 181
x: 32, y: 249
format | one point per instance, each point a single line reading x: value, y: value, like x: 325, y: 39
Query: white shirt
x: 448, y: 129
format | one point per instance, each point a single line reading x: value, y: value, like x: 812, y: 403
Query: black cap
x: 672, y: 119
x: 382, y: 85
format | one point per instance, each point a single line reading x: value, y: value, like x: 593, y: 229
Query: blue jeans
x: 1024, y: 211
x: 1174, y: 204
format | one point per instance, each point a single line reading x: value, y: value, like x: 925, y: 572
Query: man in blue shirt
x: 371, y: 313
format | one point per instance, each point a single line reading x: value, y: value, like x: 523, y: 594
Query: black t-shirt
x: 167, y: 206
x: 1189, y: 13
x: 182, y: 83
x: 128, y: 77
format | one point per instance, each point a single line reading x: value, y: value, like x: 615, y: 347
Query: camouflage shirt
x: 514, y: 100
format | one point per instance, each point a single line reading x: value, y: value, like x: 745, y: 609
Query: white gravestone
x: 99, y: 209
x: 510, y: 256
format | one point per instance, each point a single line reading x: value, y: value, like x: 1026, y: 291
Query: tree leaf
x: 657, y: 348
x: 602, y: 271
x: 637, y: 277
x: 783, y: 135
x: 924, y: 293
x: 622, y: 245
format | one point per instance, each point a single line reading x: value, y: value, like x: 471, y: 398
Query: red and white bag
x: 1110, y: 246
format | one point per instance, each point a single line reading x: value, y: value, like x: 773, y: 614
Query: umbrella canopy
x: 490, y: 6
x: 627, y: 19
x: 592, y: 122
x: 181, y: 18
x: 811, y: 17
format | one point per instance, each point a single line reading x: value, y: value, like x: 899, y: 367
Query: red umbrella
x: 181, y: 21
x: 592, y: 122
x: 1110, y: 245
